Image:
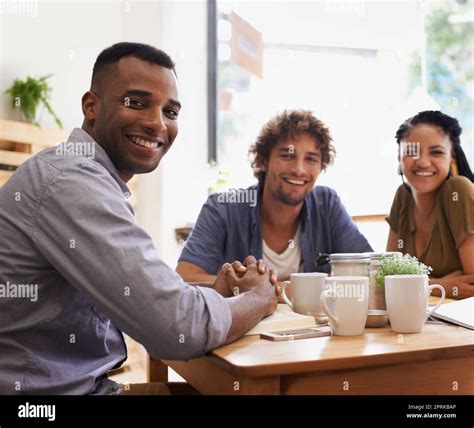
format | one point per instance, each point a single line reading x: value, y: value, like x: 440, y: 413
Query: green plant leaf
x: 401, y: 265
x: 31, y: 92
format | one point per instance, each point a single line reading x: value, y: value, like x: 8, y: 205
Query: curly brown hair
x: 290, y: 124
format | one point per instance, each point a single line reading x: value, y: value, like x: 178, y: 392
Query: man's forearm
x: 193, y: 273
x: 247, y: 310
x: 201, y: 278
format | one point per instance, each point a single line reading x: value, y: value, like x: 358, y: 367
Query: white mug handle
x: 443, y: 295
x: 326, y: 310
x: 283, y: 286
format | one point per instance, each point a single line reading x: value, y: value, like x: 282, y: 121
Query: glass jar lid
x: 378, y: 256
x: 349, y: 258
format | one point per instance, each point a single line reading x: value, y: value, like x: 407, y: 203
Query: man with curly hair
x: 292, y: 222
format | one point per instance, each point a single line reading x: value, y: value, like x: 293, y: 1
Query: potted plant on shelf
x: 29, y: 94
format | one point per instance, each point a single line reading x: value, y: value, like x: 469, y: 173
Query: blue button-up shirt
x: 76, y: 270
x: 229, y: 228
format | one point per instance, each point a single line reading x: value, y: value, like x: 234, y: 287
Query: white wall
x: 65, y: 37
x: 185, y: 172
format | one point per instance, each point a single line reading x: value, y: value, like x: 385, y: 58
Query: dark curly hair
x: 290, y: 124
x: 449, y: 125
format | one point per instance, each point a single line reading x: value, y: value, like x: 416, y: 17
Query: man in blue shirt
x: 283, y: 219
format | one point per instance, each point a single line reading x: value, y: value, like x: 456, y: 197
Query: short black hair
x: 113, y: 54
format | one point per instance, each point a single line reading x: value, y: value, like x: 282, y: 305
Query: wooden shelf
x: 13, y: 158
x: 20, y: 140
x: 4, y: 177
x: 26, y: 133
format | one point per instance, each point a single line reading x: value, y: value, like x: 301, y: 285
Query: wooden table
x: 437, y: 361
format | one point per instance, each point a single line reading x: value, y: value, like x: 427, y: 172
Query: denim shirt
x: 227, y: 231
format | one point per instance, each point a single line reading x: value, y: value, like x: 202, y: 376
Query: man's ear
x: 90, y: 106
x: 262, y: 166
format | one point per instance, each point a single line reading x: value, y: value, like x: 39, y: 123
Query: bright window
x: 363, y: 67
x: 356, y: 64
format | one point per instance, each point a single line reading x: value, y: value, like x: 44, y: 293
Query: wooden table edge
x: 352, y: 363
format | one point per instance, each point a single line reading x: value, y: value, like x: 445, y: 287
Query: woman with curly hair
x: 432, y: 215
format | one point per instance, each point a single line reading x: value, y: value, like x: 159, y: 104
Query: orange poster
x: 246, y: 45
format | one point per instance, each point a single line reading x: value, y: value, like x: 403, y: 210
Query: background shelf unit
x: 20, y: 140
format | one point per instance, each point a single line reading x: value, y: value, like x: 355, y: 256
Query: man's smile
x: 295, y: 182
x: 146, y: 143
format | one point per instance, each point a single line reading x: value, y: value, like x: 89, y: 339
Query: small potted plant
x: 395, y: 264
x: 401, y: 265
x: 29, y: 94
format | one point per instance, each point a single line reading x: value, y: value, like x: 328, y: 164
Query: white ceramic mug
x: 407, y: 301
x: 346, y: 302
x: 306, y: 290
